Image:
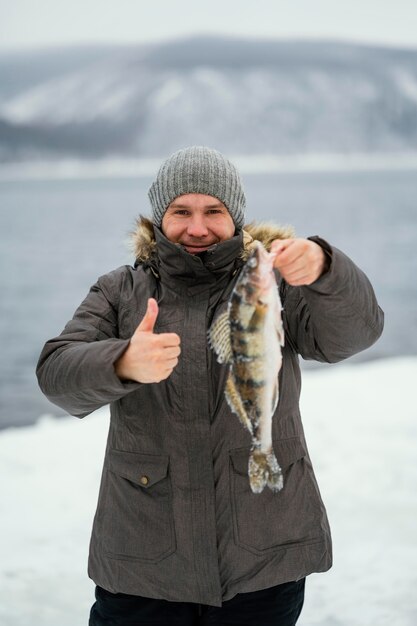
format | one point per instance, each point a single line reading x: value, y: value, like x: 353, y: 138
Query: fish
x: 249, y: 337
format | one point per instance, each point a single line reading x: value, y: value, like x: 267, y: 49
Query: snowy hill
x: 245, y: 97
x: 360, y: 423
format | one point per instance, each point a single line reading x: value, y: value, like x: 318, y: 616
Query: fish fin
x: 275, y: 398
x: 280, y: 330
x: 264, y: 470
x: 235, y: 403
x: 219, y: 338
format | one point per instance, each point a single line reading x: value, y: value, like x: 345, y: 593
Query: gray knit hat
x: 198, y: 169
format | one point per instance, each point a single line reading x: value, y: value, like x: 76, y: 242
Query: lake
x: 57, y: 237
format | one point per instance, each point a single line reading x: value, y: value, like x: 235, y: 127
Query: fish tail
x: 264, y: 470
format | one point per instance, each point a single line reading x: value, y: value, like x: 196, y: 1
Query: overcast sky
x: 29, y: 23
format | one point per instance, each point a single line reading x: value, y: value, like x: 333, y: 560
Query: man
x: 178, y: 536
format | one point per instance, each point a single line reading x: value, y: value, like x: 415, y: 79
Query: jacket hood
x: 143, y: 241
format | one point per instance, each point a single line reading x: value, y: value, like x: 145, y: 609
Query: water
x: 57, y: 237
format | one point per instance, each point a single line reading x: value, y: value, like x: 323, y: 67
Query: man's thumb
x: 148, y: 321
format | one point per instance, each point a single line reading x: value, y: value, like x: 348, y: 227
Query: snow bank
x: 112, y: 167
x: 361, y: 426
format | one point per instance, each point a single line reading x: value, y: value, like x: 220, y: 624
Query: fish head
x: 257, y: 278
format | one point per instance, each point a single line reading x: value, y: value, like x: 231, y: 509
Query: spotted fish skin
x: 249, y: 337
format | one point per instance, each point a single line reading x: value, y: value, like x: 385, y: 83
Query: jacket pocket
x: 138, y: 517
x: 272, y: 520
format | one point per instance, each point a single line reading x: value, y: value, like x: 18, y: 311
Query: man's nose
x: 197, y: 226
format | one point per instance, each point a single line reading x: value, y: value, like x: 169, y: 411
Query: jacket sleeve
x: 76, y: 369
x: 335, y: 317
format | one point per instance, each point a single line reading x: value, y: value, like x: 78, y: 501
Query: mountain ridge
x: 239, y: 95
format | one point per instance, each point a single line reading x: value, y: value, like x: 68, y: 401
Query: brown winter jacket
x: 176, y: 518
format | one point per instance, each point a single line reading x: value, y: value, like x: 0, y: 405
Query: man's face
x: 197, y: 221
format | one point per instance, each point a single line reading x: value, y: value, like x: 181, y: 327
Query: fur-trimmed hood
x: 143, y: 243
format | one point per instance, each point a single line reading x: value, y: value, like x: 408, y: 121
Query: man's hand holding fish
x: 299, y: 261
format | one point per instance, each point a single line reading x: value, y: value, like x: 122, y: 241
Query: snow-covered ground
x: 361, y: 425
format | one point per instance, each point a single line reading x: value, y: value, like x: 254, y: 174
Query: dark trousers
x: 276, y: 606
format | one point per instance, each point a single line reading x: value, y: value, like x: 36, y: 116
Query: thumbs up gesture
x: 149, y: 357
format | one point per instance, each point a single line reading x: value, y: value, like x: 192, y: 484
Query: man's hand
x: 299, y: 261
x: 150, y: 357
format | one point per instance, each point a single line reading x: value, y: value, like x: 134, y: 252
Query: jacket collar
x: 218, y: 261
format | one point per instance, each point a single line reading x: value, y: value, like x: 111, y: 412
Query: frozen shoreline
x: 361, y: 427
x: 78, y: 169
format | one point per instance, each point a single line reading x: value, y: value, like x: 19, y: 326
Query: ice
x: 112, y: 167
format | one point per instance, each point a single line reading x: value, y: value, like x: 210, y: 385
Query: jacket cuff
x: 102, y: 355
x: 328, y: 252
